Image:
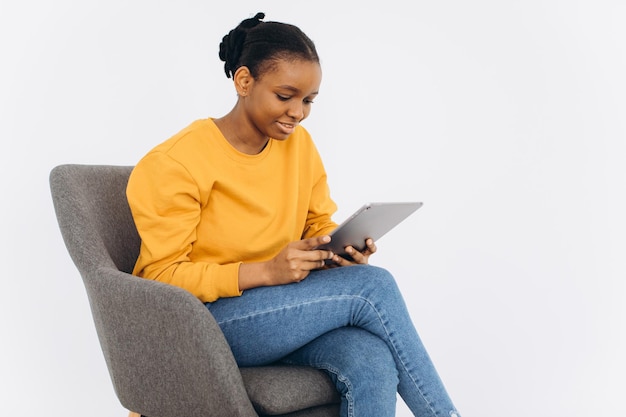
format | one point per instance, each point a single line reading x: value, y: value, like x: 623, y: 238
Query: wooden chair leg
x: 134, y: 414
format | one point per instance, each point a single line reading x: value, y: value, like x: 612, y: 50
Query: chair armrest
x: 166, y: 355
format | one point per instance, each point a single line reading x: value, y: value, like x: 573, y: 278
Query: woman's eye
x: 282, y: 98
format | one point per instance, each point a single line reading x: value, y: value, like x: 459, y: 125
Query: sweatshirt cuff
x: 228, y: 282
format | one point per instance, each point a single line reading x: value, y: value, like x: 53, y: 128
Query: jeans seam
x: 284, y: 307
x: 345, y: 380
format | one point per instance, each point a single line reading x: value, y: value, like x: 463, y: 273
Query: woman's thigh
x: 267, y: 323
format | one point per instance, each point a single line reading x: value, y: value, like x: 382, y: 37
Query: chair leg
x: 134, y: 414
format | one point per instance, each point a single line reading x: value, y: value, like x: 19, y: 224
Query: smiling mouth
x: 287, y: 128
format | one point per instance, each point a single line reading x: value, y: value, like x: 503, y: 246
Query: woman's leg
x: 268, y: 323
x: 360, y: 365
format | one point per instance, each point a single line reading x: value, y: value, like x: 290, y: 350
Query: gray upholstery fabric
x: 321, y: 411
x: 165, y: 353
x: 292, y: 381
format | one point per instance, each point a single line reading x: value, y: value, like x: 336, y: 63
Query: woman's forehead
x: 299, y: 74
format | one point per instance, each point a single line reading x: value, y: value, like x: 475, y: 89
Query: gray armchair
x: 164, y: 351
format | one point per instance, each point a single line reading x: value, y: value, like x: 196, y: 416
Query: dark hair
x: 258, y: 45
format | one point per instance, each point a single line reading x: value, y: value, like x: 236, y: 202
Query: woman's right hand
x: 298, y: 259
x: 292, y: 264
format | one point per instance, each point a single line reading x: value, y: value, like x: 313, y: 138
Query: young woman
x: 233, y: 208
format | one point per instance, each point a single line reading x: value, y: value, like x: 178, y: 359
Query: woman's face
x: 278, y: 100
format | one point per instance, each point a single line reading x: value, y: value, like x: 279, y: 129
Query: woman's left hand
x: 358, y: 258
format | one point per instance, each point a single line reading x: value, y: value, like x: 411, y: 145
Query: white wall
x: 506, y: 118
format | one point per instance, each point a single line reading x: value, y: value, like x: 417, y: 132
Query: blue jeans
x: 351, y: 322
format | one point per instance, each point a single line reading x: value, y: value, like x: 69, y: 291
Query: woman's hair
x: 258, y: 45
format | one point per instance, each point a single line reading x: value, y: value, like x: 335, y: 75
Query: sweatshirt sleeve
x: 321, y: 206
x: 166, y: 205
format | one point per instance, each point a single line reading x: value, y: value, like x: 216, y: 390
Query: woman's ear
x: 243, y: 81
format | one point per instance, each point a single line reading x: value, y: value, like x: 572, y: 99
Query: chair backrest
x: 139, y: 320
x: 94, y: 217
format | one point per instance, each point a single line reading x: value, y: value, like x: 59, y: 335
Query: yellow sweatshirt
x: 202, y: 208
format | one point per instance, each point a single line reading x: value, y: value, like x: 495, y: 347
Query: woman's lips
x: 287, y: 128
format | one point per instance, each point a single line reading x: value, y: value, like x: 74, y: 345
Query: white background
x: 507, y: 118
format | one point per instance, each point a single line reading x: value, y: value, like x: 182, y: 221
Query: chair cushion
x: 280, y: 389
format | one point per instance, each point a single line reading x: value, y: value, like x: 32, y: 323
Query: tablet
x: 372, y: 220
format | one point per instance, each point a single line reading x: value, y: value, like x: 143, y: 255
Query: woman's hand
x: 358, y: 258
x: 292, y: 264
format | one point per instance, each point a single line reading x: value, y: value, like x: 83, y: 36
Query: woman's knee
x: 377, y: 284
x: 377, y: 276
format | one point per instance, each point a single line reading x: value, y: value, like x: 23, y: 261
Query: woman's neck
x: 239, y: 132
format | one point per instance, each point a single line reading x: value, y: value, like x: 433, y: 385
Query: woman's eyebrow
x: 295, y: 90
x: 290, y: 88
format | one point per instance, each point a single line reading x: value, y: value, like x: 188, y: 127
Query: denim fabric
x: 360, y: 365
x: 312, y: 323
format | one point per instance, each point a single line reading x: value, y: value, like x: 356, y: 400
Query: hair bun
x: 253, y: 21
x: 232, y: 43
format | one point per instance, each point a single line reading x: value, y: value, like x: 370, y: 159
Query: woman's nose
x: 296, y: 110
